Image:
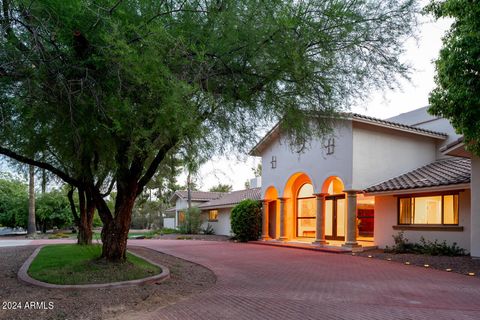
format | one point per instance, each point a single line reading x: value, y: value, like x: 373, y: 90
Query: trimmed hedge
x: 246, y: 220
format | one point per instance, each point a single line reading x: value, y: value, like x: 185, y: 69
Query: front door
x: 272, y: 219
x: 335, y: 217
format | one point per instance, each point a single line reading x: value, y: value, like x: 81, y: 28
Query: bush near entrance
x: 246, y: 220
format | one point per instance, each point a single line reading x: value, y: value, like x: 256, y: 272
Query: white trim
x: 419, y: 190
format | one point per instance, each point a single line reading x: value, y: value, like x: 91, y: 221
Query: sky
x: 420, y: 53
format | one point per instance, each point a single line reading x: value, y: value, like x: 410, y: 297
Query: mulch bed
x: 128, y: 303
x: 460, y: 264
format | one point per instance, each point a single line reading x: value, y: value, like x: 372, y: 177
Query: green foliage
x: 74, y: 264
x: 13, y: 203
x: 427, y: 247
x: 246, y: 220
x: 457, y: 69
x: 221, y: 188
x: 167, y: 231
x: 192, y: 222
x: 53, y: 210
x: 208, y: 229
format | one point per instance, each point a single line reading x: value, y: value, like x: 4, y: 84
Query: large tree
x: 456, y: 96
x: 103, y: 90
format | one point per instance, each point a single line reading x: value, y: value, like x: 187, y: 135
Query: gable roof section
x: 452, y: 171
x: 201, y: 196
x: 274, y: 132
x: 232, y: 198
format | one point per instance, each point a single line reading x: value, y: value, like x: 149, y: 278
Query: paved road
x: 261, y: 282
x: 14, y: 243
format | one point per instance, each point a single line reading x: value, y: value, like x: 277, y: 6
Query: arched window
x: 306, y: 212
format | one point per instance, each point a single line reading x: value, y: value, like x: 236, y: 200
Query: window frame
x: 297, y: 199
x: 209, y: 217
x: 426, y: 195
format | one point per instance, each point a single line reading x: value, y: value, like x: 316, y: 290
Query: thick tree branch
x: 72, y: 205
x: 62, y: 175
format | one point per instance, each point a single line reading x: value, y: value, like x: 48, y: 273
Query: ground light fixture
x: 448, y: 270
x: 407, y: 263
x: 426, y: 265
x: 471, y: 274
x: 389, y: 259
x: 370, y: 256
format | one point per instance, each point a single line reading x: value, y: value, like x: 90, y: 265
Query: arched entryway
x: 335, y: 209
x: 271, y: 228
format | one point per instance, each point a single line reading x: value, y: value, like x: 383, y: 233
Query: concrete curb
x: 24, y: 277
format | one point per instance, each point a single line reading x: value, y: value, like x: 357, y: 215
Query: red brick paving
x: 262, y: 282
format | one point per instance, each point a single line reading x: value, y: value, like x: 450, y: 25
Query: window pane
x: 341, y: 212
x: 405, y: 211
x: 213, y: 215
x: 428, y: 210
x: 450, y: 209
x: 306, y: 228
x: 306, y: 208
x: 328, y: 217
x: 306, y: 191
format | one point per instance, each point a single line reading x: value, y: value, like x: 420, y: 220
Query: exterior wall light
x: 274, y: 162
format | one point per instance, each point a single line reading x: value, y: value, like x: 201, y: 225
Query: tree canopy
x: 221, y: 188
x: 456, y: 96
x: 101, y: 91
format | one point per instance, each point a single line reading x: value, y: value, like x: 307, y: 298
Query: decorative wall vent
x: 274, y: 162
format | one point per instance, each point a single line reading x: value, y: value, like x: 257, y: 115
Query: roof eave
x: 419, y: 190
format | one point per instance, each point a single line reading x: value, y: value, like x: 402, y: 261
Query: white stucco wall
x: 314, y: 162
x: 380, y: 154
x: 475, y: 207
x: 169, y: 223
x: 386, y: 217
x: 222, y: 225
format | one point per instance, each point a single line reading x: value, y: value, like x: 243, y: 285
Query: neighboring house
x: 217, y: 212
x: 180, y: 199
x: 371, y: 179
x: 216, y: 207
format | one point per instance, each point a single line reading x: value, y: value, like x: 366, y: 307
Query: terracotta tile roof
x: 232, y: 198
x: 396, y: 125
x: 439, y: 173
x: 198, y: 195
x: 257, y: 149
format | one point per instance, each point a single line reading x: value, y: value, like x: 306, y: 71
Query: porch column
x: 265, y: 220
x: 351, y: 234
x: 320, y: 226
x: 283, y: 230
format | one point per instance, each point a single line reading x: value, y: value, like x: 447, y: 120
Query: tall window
x: 213, y: 215
x: 306, y: 214
x: 441, y: 209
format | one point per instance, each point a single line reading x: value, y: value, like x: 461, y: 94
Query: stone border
x: 24, y: 277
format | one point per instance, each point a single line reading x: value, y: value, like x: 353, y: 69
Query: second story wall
x: 314, y: 162
x: 381, y: 153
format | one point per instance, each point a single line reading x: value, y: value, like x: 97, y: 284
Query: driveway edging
x: 24, y: 277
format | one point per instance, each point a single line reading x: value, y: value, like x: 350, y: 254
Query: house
x: 215, y: 207
x: 371, y: 179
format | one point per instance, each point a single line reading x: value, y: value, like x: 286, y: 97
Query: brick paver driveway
x: 261, y: 282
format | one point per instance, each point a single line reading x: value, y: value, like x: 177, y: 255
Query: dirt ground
x: 460, y: 264
x: 123, y: 303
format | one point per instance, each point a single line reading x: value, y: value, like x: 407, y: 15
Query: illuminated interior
x: 306, y: 212
x: 440, y: 209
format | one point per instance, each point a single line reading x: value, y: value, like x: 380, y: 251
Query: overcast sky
x: 413, y: 95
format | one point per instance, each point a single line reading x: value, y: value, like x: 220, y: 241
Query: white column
x: 283, y: 230
x: 320, y: 226
x: 475, y: 208
x: 265, y: 220
x: 351, y: 234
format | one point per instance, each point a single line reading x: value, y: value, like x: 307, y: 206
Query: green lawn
x: 75, y: 264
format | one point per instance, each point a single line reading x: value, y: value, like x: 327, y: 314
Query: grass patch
x: 75, y: 264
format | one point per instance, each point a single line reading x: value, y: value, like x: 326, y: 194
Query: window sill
x: 426, y: 227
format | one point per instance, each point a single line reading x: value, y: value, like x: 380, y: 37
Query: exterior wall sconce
x: 274, y: 162
x: 330, y: 145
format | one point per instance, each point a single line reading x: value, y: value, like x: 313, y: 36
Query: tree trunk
x: 84, y: 222
x: 32, y: 229
x: 115, y: 231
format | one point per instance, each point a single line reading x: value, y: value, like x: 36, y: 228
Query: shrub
x: 246, y: 220
x: 208, y: 229
x: 434, y: 248
x: 192, y: 222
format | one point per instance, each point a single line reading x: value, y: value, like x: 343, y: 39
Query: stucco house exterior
x: 371, y: 179
x: 216, y: 207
